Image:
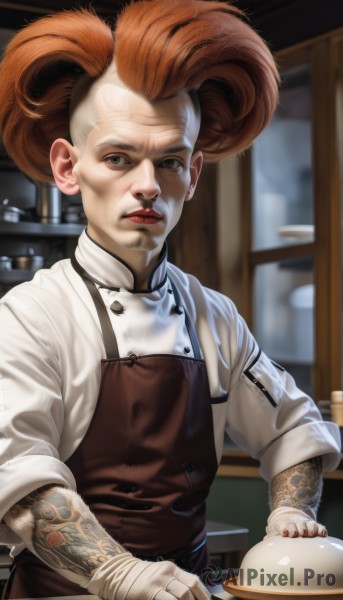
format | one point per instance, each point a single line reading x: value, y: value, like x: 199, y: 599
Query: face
x: 135, y: 168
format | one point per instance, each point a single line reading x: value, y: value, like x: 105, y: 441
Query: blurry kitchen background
x: 264, y: 228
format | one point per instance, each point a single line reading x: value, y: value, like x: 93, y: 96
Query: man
x: 120, y: 372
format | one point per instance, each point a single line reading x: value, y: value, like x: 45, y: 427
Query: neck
x: 142, y: 269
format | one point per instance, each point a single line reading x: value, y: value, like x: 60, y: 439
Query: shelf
x: 15, y: 276
x: 40, y: 229
x: 236, y: 462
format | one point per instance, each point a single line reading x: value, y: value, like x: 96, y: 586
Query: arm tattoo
x: 63, y: 536
x: 300, y: 486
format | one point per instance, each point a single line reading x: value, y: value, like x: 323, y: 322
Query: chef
x: 120, y: 373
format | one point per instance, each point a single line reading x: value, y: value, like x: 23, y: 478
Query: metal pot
x: 28, y: 262
x: 10, y: 213
x: 73, y: 213
x: 5, y: 263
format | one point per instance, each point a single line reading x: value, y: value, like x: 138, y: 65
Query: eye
x: 174, y: 164
x: 117, y: 160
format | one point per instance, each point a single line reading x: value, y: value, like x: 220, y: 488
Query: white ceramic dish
x: 297, y: 231
x: 280, y: 568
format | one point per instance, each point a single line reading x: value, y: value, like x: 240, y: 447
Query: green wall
x: 331, y: 509
x: 240, y: 501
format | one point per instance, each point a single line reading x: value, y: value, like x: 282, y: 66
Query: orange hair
x: 161, y: 48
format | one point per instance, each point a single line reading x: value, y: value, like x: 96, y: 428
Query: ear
x: 63, y: 157
x: 195, y: 170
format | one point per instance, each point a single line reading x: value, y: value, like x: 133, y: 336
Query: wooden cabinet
x: 292, y: 219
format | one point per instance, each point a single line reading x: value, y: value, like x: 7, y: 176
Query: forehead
x: 113, y: 101
x: 110, y: 107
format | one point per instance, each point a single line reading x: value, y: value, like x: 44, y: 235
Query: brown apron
x: 147, y: 461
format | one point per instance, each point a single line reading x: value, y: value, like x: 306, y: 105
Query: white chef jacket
x: 50, y: 351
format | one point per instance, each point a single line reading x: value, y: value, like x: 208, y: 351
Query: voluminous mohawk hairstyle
x: 37, y: 73
x: 163, y: 47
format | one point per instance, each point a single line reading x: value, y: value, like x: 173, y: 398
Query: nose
x: 145, y: 185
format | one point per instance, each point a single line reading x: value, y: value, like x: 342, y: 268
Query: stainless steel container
x: 5, y: 263
x: 48, y: 203
x: 28, y: 262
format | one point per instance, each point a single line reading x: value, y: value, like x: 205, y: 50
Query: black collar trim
x: 163, y: 256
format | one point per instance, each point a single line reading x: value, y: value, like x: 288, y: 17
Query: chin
x: 126, y: 249
x: 143, y: 243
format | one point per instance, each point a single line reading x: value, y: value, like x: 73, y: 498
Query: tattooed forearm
x: 300, y: 486
x: 65, y: 534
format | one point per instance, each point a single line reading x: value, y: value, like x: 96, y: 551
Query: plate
x: 296, y: 231
x: 240, y: 591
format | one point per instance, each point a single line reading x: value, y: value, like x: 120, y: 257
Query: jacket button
x: 127, y: 489
x: 117, y: 308
x: 130, y: 361
x: 190, y: 467
x: 145, y: 506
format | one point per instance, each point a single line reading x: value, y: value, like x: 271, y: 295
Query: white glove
x: 292, y: 522
x: 125, y: 577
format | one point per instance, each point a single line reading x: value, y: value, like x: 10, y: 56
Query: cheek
x: 91, y: 181
x: 175, y: 207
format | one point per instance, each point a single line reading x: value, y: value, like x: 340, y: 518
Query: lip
x: 147, y: 216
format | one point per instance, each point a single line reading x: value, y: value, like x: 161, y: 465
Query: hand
x: 292, y: 522
x: 129, y: 578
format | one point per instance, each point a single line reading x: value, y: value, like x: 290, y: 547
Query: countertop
x: 236, y: 462
x: 218, y: 591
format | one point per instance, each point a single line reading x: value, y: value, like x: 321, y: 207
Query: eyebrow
x: 130, y: 148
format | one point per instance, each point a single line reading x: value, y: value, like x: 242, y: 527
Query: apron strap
x: 110, y: 340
